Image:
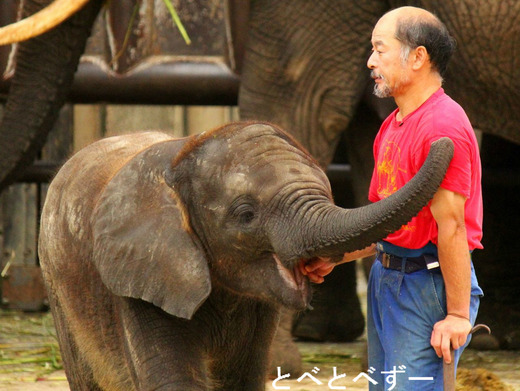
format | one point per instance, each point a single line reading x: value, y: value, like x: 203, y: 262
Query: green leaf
x: 177, y: 21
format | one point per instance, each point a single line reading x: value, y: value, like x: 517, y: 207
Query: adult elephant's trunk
x: 340, y: 230
x: 45, y: 67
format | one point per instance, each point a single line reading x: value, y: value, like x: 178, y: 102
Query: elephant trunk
x: 345, y: 230
x: 45, y: 67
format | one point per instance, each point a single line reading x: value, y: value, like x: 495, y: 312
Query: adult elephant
x: 305, y: 69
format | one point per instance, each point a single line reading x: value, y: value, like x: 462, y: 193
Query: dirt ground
x: 30, y: 360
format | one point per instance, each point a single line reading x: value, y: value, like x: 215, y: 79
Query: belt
x: 411, y: 264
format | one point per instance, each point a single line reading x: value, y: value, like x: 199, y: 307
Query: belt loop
x: 403, y: 264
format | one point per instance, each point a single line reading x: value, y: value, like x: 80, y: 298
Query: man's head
x: 406, y: 41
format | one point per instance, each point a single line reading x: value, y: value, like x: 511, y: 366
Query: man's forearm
x: 448, y: 211
x: 455, y: 265
x: 317, y: 268
x: 366, y: 252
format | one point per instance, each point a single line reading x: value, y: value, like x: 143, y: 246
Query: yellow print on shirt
x: 388, y: 166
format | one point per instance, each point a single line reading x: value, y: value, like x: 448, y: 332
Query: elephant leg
x: 240, y: 360
x: 160, y: 351
x: 78, y: 372
x: 284, y: 352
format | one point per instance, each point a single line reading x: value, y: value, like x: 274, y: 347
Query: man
x: 423, y: 295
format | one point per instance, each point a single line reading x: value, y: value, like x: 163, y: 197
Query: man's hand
x: 450, y: 332
x: 316, y: 269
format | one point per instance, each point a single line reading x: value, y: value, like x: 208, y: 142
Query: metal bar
x: 178, y: 83
x: 174, y: 83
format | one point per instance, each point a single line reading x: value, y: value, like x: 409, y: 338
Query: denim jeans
x: 402, y: 310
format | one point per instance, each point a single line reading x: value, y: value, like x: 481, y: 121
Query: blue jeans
x: 402, y: 310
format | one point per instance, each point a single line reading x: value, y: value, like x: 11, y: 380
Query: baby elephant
x: 167, y: 260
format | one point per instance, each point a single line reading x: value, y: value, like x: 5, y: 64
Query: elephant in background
x: 167, y: 260
x: 304, y: 68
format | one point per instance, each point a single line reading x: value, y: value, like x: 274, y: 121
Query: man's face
x: 389, y: 71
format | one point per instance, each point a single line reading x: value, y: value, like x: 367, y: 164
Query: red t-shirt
x: 400, y: 148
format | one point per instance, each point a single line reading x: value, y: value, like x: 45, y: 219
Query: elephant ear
x: 143, y: 245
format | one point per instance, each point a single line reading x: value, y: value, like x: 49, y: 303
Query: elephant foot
x: 312, y: 327
x: 330, y: 325
x: 337, y: 315
x: 284, y: 351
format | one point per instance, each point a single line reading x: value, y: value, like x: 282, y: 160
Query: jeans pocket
x: 439, y: 292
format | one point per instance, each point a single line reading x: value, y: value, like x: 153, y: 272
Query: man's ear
x: 420, y: 58
x: 143, y: 244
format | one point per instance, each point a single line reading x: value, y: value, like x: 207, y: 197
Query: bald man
x: 423, y: 294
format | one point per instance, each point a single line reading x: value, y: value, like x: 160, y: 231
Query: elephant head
x: 237, y: 209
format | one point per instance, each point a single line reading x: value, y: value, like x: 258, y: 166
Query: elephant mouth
x: 294, y: 279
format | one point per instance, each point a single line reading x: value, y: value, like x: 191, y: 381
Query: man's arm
x: 448, y: 211
x: 317, y: 268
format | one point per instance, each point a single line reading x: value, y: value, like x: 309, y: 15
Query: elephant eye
x: 246, y: 216
x: 243, y: 211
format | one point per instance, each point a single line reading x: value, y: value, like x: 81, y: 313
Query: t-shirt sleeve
x: 458, y: 175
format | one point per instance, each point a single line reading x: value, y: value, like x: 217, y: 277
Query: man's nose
x: 371, y: 61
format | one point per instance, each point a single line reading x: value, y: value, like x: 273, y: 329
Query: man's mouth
x: 376, y: 76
